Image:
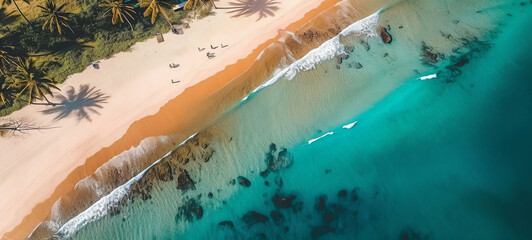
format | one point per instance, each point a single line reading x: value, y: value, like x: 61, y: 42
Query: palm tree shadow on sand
x: 82, y: 104
x: 246, y: 8
x: 7, y: 18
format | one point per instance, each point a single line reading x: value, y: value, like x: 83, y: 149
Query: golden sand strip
x: 196, y: 107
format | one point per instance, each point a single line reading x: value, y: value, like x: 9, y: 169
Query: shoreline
x: 198, y: 94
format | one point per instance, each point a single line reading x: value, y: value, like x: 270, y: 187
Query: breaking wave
x: 99, y: 209
x: 366, y: 27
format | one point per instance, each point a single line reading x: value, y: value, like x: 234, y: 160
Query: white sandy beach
x: 137, y: 84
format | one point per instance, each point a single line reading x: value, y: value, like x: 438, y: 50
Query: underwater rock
x: 277, y: 217
x: 321, y: 201
x: 226, y: 223
x: 279, y: 181
x: 337, y: 66
x: 261, y: 236
x: 198, y: 211
x: 410, y: 234
x: 297, y: 207
x: 210, y: 195
x: 354, y: 194
x: 341, y: 58
x: 283, y: 201
x: 265, y: 173
x: 358, y: 65
x: 163, y: 172
x: 328, y: 217
x: 208, y: 156
x: 338, y: 209
x: 243, y: 181
x: 462, y: 61
x: 113, y: 211
x: 184, y: 182
x: 385, y: 36
x: 273, y: 148
x: 267, y: 183
x: 427, y: 54
x: 366, y: 45
x: 190, y: 209
x: 429, y: 57
x: 283, y: 160
x: 319, y: 231
x: 251, y: 218
x: 140, y: 190
x: 232, y: 182
x: 349, y: 49
x: 342, y: 193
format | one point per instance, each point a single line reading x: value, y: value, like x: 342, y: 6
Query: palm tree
x: 153, y: 8
x: 6, y: 92
x: 9, y: 2
x: 191, y: 4
x: 7, y: 57
x: 120, y: 11
x: 56, y: 17
x: 33, y: 81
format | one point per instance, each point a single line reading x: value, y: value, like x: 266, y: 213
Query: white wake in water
x: 351, y: 125
x: 431, y: 76
x: 320, y: 137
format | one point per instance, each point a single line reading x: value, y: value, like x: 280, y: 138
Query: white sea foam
x: 349, y: 126
x: 320, y: 137
x: 333, y: 47
x: 99, y: 209
x: 431, y: 76
x: 328, y: 50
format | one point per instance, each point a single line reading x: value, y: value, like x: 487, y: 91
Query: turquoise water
x: 443, y: 158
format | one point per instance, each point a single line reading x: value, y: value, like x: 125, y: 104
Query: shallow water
x: 443, y: 158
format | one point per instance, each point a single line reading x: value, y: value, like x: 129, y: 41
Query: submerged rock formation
x: 385, y: 36
x: 321, y: 230
x: 189, y: 210
x: 281, y: 201
x: 283, y: 160
x: 226, y: 223
x: 184, y: 182
x: 277, y: 217
x: 243, y: 181
x: 251, y: 218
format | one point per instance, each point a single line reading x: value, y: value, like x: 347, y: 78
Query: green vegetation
x: 192, y: 4
x: 120, y: 11
x: 32, y: 81
x: 55, y: 15
x: 74, y: 33
x: 153, y: 8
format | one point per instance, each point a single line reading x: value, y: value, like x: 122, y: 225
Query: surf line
x: 320, y: 137
x: 99, y: 209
